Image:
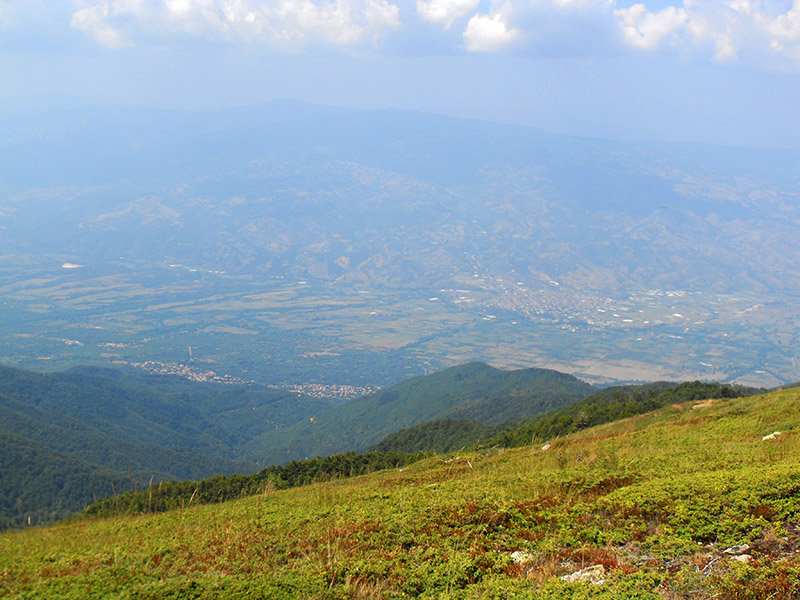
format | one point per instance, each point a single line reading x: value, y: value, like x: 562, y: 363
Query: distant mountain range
x: 397, y: 198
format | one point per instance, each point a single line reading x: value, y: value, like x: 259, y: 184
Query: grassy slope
x: 654, y: 498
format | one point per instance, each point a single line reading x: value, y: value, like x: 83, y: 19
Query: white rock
x: 741, y: 549
x: 520, y: 556
x: 594, y: 574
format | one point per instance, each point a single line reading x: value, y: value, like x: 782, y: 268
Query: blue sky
x: 719, y: 71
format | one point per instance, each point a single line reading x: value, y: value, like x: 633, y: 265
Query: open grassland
x: 655, y: 500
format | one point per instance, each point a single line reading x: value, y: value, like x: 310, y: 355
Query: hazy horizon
x: 709, y: 72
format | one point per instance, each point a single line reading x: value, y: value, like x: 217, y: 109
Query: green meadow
x: 649, y: 504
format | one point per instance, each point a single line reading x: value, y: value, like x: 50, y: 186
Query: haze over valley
x: 296, y: 245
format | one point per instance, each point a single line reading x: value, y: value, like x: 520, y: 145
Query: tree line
x: 169, y: 495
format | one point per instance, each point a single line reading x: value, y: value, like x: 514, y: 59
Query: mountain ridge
x: 470, y: 389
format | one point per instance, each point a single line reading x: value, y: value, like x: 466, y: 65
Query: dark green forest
x: 441, y: 435
x: 73, y: 437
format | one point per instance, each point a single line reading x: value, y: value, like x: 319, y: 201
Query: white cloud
x: 741, y: 6
x: 753, y: 28
x: 550, y: 23
x: 758, y: 31
x: 784, y: 28
x: 289, y: 23
x: 644, y: 29
x: 445, y: 11
x: 487, y: 33
x: 721, y: 35
x: 92, y: 21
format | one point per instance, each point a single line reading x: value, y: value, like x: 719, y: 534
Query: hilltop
x: 473, y: 390
x: 694, y: 500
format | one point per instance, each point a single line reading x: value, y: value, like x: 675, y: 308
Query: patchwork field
x: 290, y: 333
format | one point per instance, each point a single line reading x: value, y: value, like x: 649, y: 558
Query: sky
x: 710, y: 71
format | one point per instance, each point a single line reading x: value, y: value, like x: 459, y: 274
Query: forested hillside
x: 70, y: 438
x: 110, y: 431
x: 609, y: 404
x: 414, y: 443
x: 440, y: 435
